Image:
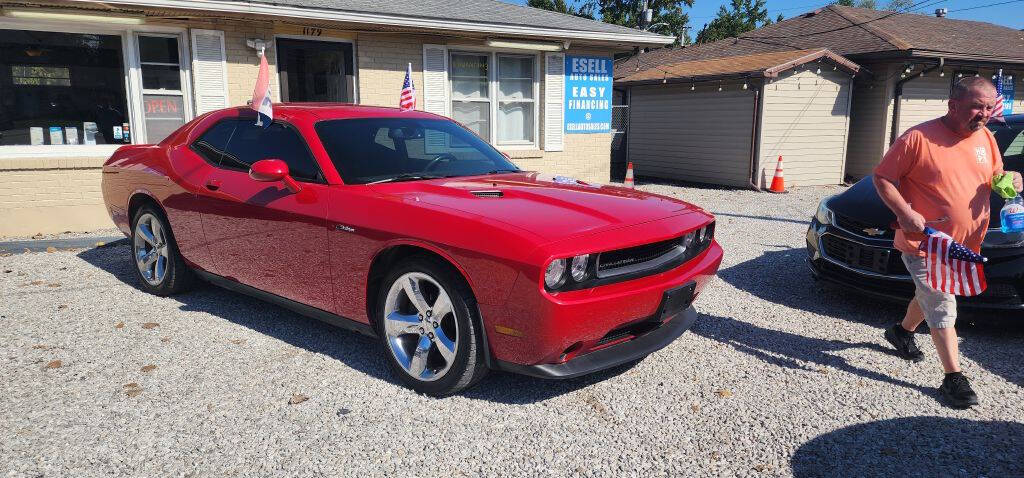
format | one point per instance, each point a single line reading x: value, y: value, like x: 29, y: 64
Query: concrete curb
x: 43, y: 245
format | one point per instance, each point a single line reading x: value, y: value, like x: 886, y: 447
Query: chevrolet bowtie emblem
x: 873, y: 231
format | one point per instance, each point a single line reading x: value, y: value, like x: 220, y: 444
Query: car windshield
x: 1010, y: 139
x: 373, y: 150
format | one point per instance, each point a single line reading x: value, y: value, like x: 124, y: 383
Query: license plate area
x: 676, y: 300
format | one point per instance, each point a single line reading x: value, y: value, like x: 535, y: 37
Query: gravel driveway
x: 780, y: 376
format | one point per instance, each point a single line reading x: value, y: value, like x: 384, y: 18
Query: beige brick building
x: 87, y: 77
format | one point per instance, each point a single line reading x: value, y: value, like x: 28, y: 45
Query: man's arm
x: 909, y: 220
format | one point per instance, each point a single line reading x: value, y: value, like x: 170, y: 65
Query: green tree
x: 900, y: 5
x: 744, y: 16
x: 580, y: 9
x: 668, y: 16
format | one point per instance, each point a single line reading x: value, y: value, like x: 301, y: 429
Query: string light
x: 692, y: 87
x: 942, y: 73
x: 744, y: 85
x: 719, y: 86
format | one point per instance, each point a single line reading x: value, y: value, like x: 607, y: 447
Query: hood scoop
x: 489, y: 193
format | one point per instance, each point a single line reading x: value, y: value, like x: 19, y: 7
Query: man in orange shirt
x: 938, y: 174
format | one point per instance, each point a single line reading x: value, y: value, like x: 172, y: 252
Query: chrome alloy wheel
x: 151, y: 249
x: 421, y: 328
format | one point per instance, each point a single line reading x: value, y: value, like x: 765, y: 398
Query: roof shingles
x: 857, y: 33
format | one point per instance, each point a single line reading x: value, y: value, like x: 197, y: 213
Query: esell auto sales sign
x: 588, y: 94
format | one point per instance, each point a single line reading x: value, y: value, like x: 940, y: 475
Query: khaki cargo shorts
x: 939, y: 307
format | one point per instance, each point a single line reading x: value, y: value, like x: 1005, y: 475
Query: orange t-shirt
x: 946, y: 178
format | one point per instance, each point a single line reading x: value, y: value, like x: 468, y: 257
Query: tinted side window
x: 212, y: 144
x: 251, y: 143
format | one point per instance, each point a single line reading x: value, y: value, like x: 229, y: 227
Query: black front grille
x: 858, y: 227
x: 879, y: 260
x: 635, y: 255
x: 631, y: 330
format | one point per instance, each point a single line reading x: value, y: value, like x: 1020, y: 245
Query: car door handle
x: 213, y: 184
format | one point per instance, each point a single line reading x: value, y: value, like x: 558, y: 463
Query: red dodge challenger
x: 408, y: 227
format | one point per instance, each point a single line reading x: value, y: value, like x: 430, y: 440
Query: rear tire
x: 159, y: 266
x: 428, y: 326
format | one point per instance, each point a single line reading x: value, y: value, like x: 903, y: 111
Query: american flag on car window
x: 407, y: 100
x: 952, y: 268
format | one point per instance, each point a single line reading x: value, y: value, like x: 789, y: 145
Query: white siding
x: 805, y: 121
x: 700, y: 136
x: 923, y: 99
x: 869, y: 125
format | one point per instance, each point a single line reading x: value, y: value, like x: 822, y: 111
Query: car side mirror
x: 272, y: 170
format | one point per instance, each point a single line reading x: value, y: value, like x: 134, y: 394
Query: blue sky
x: 1010, y: 14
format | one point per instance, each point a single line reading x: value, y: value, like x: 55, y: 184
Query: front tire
x: 428, y: 327
x: 159, y: 266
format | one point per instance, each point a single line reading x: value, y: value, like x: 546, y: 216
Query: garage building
x: 726, y: 121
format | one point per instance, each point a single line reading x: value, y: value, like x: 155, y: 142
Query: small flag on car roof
x: 261, y: 94
x: 952, y: 267
x: 407, y: 99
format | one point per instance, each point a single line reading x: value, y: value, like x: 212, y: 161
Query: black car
x: 850, y: 241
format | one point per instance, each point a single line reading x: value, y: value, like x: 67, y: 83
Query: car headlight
x: 578, y: 270
x: 824, y: 214
x: 554, y: 276
x: 688, y: 240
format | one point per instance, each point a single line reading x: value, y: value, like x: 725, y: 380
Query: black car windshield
x: 370, y: 150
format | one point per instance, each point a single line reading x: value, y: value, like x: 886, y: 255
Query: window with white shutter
x: 435, y: 79
x: 435, y: 92
x: 554, y: 100
x: 209, y: 69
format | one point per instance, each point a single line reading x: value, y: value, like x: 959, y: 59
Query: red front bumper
x: 541, y: 329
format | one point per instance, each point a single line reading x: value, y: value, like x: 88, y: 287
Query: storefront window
x: 62, y: 88
x: 512, y: 118
x: 162, y: 98
x: 471, y: 99
x: 515, y: 99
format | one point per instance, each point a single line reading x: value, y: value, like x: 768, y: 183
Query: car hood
x: 865, y: 208
x: 552, y: 207
x: 862, y: 204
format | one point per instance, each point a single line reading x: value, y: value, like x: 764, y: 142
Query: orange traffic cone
x: 629, y: 175
x: 778, y: 184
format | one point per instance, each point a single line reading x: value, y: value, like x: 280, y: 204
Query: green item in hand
x: 1003, y: 184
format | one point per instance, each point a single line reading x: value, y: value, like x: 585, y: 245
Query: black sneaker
x: 958, y: 391
x: 904, y: 343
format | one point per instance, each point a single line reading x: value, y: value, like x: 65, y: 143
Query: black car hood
x: 862, y: 204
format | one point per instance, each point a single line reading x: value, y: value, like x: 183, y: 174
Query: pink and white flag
x: 261, y: 95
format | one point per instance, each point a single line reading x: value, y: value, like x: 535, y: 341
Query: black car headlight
x: 568, y: 273
x: 554, y: 275
x: 824, y: 214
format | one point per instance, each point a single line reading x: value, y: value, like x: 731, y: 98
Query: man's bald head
x: 970, y: 105
x: 963, y: 88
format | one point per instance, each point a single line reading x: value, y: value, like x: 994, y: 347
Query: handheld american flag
x: 407, y: 100
x: 952, y: 268
x: 261, y: 95
x: 997, y: 110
